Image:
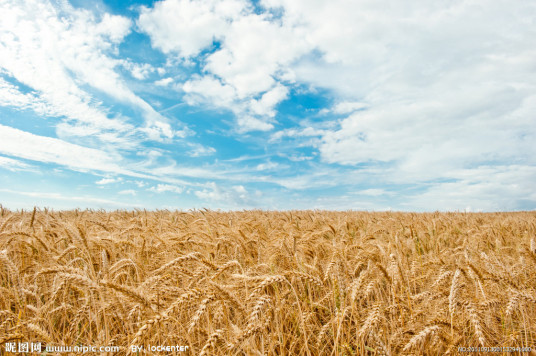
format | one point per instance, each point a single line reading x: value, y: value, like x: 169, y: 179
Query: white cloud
x: 225, y: 197
x: 267, y: 166
x: 214, y: 193
x: 140, y: 184
x: 127, y: 192
x: 199, y: 150
x: 17, y: 143
x: 432, y: 136
x: 446, y: 88
x: 314, y: 179
x: 90, y: 120
x: 240, y: 191
x: 57, y: 50
x: 105, y: 181
x: 162, y: 188
x: 254, y: 50
x: 249, y: 123
x: 237, y: 77
x: 297, y: 133
x: 253, y: 114
x: 25, y: 145
x: 346, y: 107
x: 266, y: 104
x: 113, y: 27
x: 48, y: 198
x: 431, y: 75
x: 187, y: 26
x: 140, y: 71
x: 11, y: 96
x: 13, y: 164
x: 486, y: 188
x: 215, y: 171
x: 210, y: 88
x: 372, y: 192
x: 164, y: 82
x: 297, y: 158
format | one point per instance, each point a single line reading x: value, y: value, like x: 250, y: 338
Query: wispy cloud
x: 56, y: 51
x: 48, y: 198
x: 14, y: 165
x: 25, y: 145
x: 22, y: 144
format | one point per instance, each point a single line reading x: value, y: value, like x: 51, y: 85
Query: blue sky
x: 271, y: 104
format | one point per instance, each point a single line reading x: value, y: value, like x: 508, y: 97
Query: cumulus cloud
x: 105, y: 181
x: 229, y: 197
x: 140, y: 71
x: 164, y: 82
x: 209, y: 87
x: 140, y: 184
x: 252, y: 114
x: 266, y: 104
x: 235, y: 76
x: 430, y: 90
x: 249, y: 123
x: 188, y: 26
x: 443, y: 86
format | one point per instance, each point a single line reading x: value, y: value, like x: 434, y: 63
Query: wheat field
x: 269, y: 283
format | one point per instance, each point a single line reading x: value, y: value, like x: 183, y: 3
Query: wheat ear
x: 420, y: 338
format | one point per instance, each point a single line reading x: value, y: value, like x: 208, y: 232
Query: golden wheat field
x: 269, y: 283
